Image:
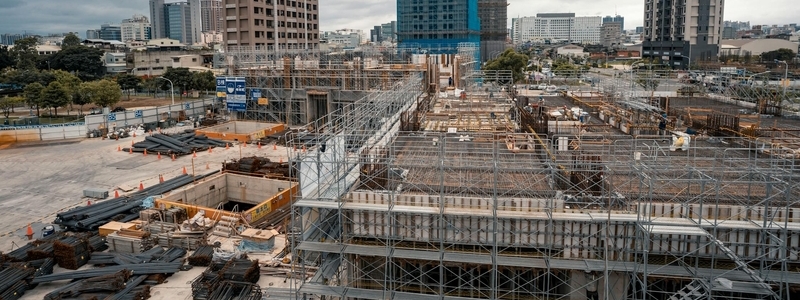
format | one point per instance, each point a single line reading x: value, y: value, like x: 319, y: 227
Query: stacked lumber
x: 202, y: 256
x: 158, y: 227
x: 150, y: 215
x: 71, y: 252
x: 128, y: 242
x: 175, y: 215
x: 177, y: 144
x: 189, y: 240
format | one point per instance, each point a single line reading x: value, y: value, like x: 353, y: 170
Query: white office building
x: 137, y: 28
x: 557, y: 27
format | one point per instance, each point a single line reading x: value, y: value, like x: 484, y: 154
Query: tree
x: 81, y: 96
x: 55, y: 95
x: 509, y: 60
x: 24, y: 52
x: 180, y: 77
x: 71, y: 40
x: 129, y: 82
x: 780, y: 54
x: 204, y: 81
x: 84, y: 62
x: 6, y: 58
x: 33, y: 95
x: 7, y: 104
x: 104, y: 92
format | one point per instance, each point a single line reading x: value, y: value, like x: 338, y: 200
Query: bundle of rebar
x: 19, y: 254
x: 42, y: 251
x: 91, y: 217
x: 139, y: 269
x: 11, y: 278
x: 71, y: 252
x: 260, y: 166
x: 159, y: 227
x: 42, y: 266
x: 16, y: 291
x: 204, y: 285
x: 177, y: 144
x: 243, y: 270
x: 173, y: 254
x: 100, y: 286
x: 97, y: 243
x: 202, y: 256
x: 229, y: 290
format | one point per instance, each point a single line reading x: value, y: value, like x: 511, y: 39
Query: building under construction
x: 425, y: 179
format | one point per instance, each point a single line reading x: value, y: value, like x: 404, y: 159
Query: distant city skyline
x: 44, y: 17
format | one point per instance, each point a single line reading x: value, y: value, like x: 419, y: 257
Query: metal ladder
x: 226, y: 226
x: 692, y: 291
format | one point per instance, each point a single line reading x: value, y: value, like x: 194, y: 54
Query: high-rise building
x: 275, y: 24
x: 158, y: 26
x: 137, y: 28
x: 611, y: 34
x: 436, y: 26
x: 557, y: 28
x: 389, y: 31
x: 8, y: 39
x: 92, y: 34
x: 615, y: 19
x: 493, y: 15
x: 677, y: 30
x: 110, y: 32
x: 212, y: 18
x: 179, y: 20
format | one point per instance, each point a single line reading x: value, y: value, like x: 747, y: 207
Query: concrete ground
x: 39, y: 180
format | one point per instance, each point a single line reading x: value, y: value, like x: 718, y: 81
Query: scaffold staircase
x: 226, y: 225
x: 692, y: 291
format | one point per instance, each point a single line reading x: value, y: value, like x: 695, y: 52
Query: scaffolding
x: 391, y: 213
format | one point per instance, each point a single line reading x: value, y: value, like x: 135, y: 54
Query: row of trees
x: 183, y: 80
x: 84, y: 62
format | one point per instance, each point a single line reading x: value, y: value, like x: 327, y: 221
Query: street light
x: 688, y: 64
x: 785, y: 75
x: 171, y: 89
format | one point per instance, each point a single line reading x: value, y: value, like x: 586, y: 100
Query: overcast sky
x: 55, y: 16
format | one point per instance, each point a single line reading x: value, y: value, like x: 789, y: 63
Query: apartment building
x: 274, y: 24
x: 674, y: 31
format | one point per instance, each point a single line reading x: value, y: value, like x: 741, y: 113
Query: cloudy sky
x: 52, y: 16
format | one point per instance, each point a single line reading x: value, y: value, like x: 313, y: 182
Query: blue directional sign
x: 221, y: 88
x: 112, y: 117
x: 255, y: 94
x: 187, y: 106
x: 138, y: 114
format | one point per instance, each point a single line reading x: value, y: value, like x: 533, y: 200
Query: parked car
x: 551, y: 89
x: 542, y: 87
x: 532, y: 87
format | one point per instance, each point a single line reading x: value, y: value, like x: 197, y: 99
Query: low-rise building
x: 155, y: 62
x: 571, y: 50
x: 115, y: 62
x: 754, y: 46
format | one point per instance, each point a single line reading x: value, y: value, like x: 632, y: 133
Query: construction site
x: 389, y: 173
x: 426, y: 178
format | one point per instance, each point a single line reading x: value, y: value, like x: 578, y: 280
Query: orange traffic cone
x: 245, y: 144
x: 119, y: 148
x: 173, y: 157
x: 159, y: 155
x: 160, y: 178
x: 29, y: 232
x: 116, y: 194
x: 194, y: 153
x: 184, y: 171
x: 259, y: 145
x: 134, y: 135
x: 209, y: 149
x: 141, y: 186
x: 145, y: 152
x: 281, y: 160
x: 116, y: 137
x: 227, y: 146
x: 130, y: 150
x: 274, y: 146
x: 88, y: 202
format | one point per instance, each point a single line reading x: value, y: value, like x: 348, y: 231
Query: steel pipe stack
x: 202, y: 256
x: 178, y: 144
x: 12, y: 280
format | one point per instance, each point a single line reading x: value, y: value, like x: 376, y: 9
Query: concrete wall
x: 265, y: 194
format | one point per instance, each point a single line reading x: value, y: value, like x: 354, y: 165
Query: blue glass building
x: 437, y: 26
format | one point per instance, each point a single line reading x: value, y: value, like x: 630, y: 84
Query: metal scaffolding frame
x: 390, y: 214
